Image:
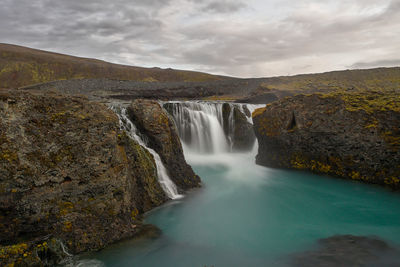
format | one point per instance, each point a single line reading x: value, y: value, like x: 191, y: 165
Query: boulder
x: 349, y: 135
x: 349, y: 250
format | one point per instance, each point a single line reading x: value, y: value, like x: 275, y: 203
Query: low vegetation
x: 21, y: 66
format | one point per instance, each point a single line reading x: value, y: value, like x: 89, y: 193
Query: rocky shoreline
x: 71, y: 180
x: 349, y: 135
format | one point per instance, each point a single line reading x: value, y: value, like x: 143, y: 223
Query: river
x: 248, y: 215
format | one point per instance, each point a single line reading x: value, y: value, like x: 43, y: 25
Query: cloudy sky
x: 250, y: 38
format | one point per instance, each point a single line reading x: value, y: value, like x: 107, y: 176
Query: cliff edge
x: 349, y: 135
x: 70, y: 179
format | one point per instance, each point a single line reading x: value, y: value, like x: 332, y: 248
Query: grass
x: 21, y: 66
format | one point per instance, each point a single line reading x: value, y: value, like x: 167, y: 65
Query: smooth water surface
x: 247, y: 215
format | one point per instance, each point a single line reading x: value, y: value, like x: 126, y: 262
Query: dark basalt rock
x: 67, y: 171
x: 349, y: 250
x: 241, y: 132
x: 226, y: 112
x: 153, y: 121
x: 263, y: 98
x: 355, y: 136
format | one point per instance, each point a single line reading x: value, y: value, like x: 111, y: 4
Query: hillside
x: 21, y: 66
x: 358, y: 80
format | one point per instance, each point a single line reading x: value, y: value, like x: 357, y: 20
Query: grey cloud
x: 376, y: 63
x: 69, y: 26
x: 296, y: 36
x: 223, y: 6
x: 206, y: 34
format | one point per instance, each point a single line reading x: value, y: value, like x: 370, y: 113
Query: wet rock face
x: 238, y: 128
x: 66, y: 170
x: 348, y: 250
x: 350, y: 136
x: 153, y: 121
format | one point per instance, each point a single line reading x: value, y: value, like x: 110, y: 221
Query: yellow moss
x: 65, y: 208
x: 134, y: 214
x: 323, y: 167
x: 298, y: 162
x: 59, y: 114
x: 67, y: 226
x: 8, y: 155
x: 390, y: 138
x: 370, y: 101
x: 14, y: 250
x: 392, y: 180
x: 355, y: 175
x: 162, y: 119
x: 258, y: 112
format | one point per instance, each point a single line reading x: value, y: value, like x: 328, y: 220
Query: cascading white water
x: 163, y: 178
x: 201, y: 125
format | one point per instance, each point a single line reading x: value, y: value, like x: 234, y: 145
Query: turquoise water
x: 247, y: 215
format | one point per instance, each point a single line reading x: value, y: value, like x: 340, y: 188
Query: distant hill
x: 356, y: 80
x: 21, y: 66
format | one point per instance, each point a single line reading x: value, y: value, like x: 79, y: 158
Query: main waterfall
x: 213, y: 127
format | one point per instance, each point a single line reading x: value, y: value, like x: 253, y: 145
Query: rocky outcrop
x: 354, y: 136
x: 69, y: 175
x: 237, y: 127
x: 263, y: 98
x: 349, y: 250
x: 153, y: 121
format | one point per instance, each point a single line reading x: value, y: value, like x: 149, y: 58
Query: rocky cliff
x: 354, y: 136
x: 153, y: 121
x: 69, y: 175
x: 242, y: 135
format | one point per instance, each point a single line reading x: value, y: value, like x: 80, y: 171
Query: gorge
x: 114, y: 165
x: 248, y: 215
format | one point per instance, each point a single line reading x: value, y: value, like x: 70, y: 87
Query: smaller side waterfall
x: 163, y: 178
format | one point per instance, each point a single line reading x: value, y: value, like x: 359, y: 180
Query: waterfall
x: 207, y: 127
x: 163, y: 178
